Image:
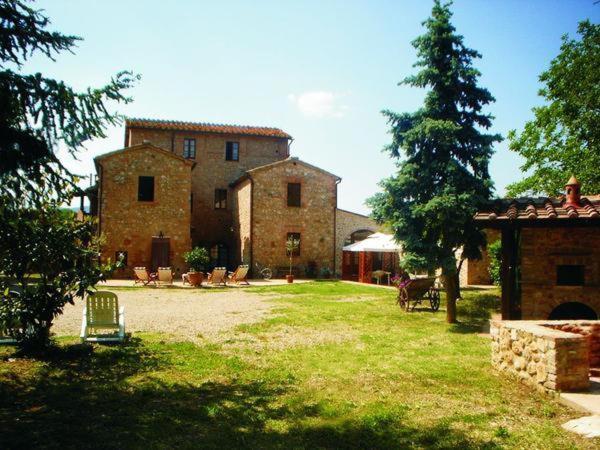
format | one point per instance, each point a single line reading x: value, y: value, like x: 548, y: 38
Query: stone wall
x: 129, y: 225
x: 346, y: 223
x: 542, y: 249
x: 209, y: 225
x: 242, y: 204
x: 550, y: 356
x: 272, y: 219
x: 476, y: 271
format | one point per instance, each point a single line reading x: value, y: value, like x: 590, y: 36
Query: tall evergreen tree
x: 443, y: 176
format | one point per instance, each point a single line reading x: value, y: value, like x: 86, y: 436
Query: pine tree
x: 443, y: 155
x: 36, y: 237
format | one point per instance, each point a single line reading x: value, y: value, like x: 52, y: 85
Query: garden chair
x: 218, y: 276
x: 165, y: 275
x: 7, y: 326
x: 142, y: 275
x: 102, y: 313
x: 240, y: 275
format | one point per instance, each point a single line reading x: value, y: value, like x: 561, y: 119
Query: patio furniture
x: 218, y: 276
x: 416, y: 291
x: 165, y: 275
x: 379, y: 274
x: 102, y: 313
x: 7, y: 326
x: 142, y: 275
x: 240, y: 275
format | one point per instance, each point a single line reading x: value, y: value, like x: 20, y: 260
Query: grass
x: 336, y: 366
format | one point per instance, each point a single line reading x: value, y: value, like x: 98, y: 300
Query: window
x: 232, y: 151
x: 192, y: 202
x: 219, y: 255
x: 220, y: 198
x: 294, y: 190
x: 189, y: 148
x: 145, y: 189
x: 570, y: 275
x: 296, y: 237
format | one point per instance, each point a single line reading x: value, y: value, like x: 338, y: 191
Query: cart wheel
x: 403, y: 298
x: 434, y: 299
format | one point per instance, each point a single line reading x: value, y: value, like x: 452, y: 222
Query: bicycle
x: 265, y: 272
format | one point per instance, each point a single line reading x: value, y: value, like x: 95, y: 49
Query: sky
x: 320, y: 70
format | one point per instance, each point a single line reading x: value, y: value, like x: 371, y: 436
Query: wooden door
x: 160, y: 252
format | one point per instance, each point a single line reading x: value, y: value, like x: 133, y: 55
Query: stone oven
x: 550, y: 255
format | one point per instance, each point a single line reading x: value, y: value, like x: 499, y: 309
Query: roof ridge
x: 128, y: 120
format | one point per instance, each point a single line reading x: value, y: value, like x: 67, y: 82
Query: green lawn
x: 338, y: 366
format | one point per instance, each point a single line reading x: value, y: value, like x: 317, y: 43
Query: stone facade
x: 346, y: 223
x: 550, y: 356
x: 542, y: 251
x: 129, y: 225
x: 212, y: 226
x: 263, y: 226
x: 476, y: 271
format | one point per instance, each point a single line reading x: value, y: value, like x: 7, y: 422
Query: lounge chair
x: 142, y: 275
x: 218, y: 276
x: 165, y: 275
x: 102, y: 313
x: 240, y: 275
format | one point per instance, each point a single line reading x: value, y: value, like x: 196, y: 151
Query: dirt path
x: 189, y: 314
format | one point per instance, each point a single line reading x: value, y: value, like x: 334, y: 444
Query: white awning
x: 377, y: 242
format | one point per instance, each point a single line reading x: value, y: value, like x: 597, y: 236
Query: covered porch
x: 372, y: 260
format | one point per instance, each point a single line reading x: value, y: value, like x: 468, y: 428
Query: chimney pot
x: 573, y: 192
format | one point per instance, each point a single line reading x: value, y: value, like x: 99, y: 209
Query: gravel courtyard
x: 192, y: 314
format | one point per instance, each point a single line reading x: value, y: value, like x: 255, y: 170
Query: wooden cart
x: 414, y: 292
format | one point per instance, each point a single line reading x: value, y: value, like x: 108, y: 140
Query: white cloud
x: 319, y: 104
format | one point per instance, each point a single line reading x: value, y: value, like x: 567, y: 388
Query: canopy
x: 377, y: 242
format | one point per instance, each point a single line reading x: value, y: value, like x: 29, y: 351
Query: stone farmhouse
x: 232, y: 189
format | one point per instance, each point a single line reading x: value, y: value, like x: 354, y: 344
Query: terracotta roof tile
x: 539, y: 209
x: 205, y: 127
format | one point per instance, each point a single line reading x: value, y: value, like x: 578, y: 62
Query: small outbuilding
x: 550, y: 255
x: 373, y: 258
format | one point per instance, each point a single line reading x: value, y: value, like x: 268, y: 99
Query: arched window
x: 219, y: 255
x: 357, y: 236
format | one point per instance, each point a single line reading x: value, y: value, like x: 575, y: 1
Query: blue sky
x: 320, y: 70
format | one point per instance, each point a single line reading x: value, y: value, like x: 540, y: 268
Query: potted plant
x: 291, y: 246
x: 197, y: 259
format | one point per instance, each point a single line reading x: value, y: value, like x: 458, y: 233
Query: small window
x: 296, y: 237
x: 294, y: 194
x: 232, y: 151
x: 220, y: 198
x: 570, y: 275
x: 145, y: 189
x: 189, y: 148
x: 192, y: 202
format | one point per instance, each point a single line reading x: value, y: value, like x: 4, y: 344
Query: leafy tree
x: 443, y: 176
x: 564, y: 137
x: 36, y: 114
x: 495, y: 253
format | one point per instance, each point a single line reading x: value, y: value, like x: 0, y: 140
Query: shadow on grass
x: 475, y: 311
x: 79, y: 398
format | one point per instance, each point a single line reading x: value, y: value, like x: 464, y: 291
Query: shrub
x: 197, y: 259
x: 495, y: 255
x: 48, y: 258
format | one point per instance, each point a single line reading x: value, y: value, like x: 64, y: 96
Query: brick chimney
x: 573, y: 192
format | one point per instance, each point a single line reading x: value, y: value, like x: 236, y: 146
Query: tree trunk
x: 451, y: 285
